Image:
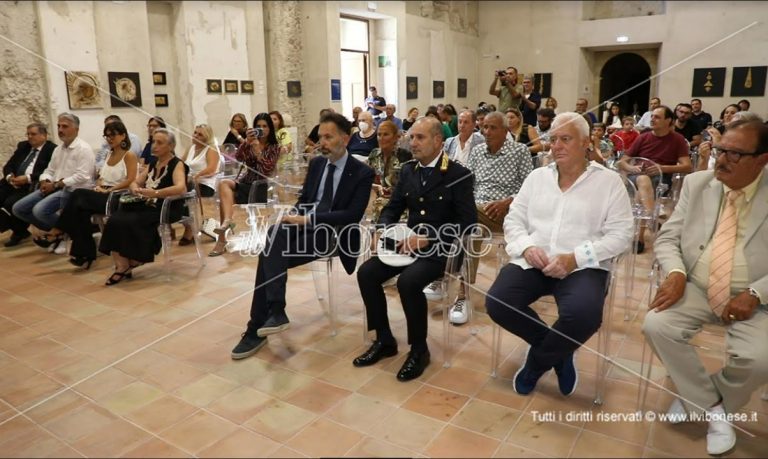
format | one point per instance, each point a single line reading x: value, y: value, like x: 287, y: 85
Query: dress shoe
x: 376, y: 352
x: 414, y: 366
x: 721, y: 437
x: 249, y: 344
x: 16, y: 239
x: 276, y: 323
x: 567, y: 376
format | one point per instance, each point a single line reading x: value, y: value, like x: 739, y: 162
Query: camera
x: 257, y: 131
x: 501, y: 73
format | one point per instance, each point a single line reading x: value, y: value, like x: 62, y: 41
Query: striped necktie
x: 721, y: 260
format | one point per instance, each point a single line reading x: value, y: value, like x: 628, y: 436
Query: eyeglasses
x: 110, y: 136
x: 731, y: 155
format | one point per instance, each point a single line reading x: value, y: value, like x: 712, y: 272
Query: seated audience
x: 706, y: 158
x: 386, y: 160
x: 685, y: 127
x: 335, y: 194
x: 519, y: 131
x: 389, y: 112
x: 130, y: 235
x: 71, y: 167
x: 624, y: 138
x: 117, y: 173
x: 743, y: 105
x: 437, y: 193
x: 612, y: 118
x: 581, y: 108
x: 544, y: 118
x: 355, y: 117
x: 282, y: 134
x: 666, y: 148
x: 20, y: 177
x: 560, y: 240
x: 726, y: 117
x: 413, y: 114
x: 310, y: 143
x: 433, y: 112
x: 361, y: 143
x: 449, y: 117
x: 205, y: 167
x: 258, y: 157
x: 104, y: 151
x: 146, y: 155
x: 602, y: 147
x: 551, y: 103
x: 713, y: 248
x: 700, y: 117
x: 237, y: 127
x: 458, y: 147
x: 644, y: 124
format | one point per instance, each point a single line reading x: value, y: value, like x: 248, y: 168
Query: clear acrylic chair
x: 191, y: 216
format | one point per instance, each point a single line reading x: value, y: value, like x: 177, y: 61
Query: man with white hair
x: 459, y: 146
x: 560, y: 240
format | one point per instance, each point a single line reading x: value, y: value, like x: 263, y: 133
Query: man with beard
x: 331, y: 204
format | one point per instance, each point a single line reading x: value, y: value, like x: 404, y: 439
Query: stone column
x: 283, y: 29
x: 23, y: 92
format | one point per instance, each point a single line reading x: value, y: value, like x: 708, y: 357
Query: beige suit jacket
x: 682, y: 239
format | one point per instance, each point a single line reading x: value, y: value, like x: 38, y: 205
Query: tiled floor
x: 142, y: 369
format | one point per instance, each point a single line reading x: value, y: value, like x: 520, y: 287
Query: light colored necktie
x: 721, y: 260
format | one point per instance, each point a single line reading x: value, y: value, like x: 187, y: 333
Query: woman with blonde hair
x: 386, y: 161
x: 282, y: 134
x: 551, y: 103
x: 237, y: 127
x: 204, y: 164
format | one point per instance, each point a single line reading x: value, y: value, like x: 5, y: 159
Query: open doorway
x: 354, y: 63
x: 618, y: 75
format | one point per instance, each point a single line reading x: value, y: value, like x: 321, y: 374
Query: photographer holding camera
x: 510, y: 93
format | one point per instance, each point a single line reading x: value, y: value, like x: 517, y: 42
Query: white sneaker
x: 434, y: 291
x: 390, y: 282
x: 460, y: 312
x: 676, y: 413
x: 721, y: 437
x: 62, y: 248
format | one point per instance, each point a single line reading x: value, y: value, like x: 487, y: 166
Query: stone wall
x: 23, y: 88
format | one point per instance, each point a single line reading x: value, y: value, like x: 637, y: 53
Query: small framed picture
x: 411, y: 87
x: 438, y: 89
x: 461, y: 87
x: 246, y: 86
x: 161, y: 100
x: 230, y: 86
x: 124, y: 89
x: 214, y: 86
x: 159, y: 78
x: 294, y: 88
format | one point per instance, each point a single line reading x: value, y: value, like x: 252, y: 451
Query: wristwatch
x: 753, y: 292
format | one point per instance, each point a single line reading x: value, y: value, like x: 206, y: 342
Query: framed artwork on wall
x: 159, y: 78
x: 230, y: 86
x: 294, y: 88
x: 161, y: 100
x: 411, y: 87
x: 708, y: 82
x: 748, y: 81
x: 214, y: 86
x: 438, y: 89
x: 246, y: 86
x: 335, y: 90
x: 83, y: 90
x: 461, y: 88
x: 542, y: 83
x: 124, y: 89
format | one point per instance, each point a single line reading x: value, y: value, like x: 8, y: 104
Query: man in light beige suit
x: 717, y: 236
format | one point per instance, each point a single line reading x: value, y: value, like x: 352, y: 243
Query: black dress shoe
x: 16, y: 239
x: 376, y: 352
x: 247, y: 346
x: 414, y: 366
x: 276, y: 323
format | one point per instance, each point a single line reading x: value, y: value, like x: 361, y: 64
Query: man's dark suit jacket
x: 349, y: 203
x: 447, y: 198
x: 22, y: 150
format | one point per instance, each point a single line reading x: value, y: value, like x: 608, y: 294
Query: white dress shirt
x: 592, y: 219
x: 74, y: 165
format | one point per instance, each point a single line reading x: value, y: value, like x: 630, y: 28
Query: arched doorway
x: 618, y: 75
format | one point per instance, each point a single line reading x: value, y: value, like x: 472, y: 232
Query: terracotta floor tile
x: 373, y: 447
x: 205, y: 390
x: 487, y: 418
x: 77, y: 371
x: 384, y: 386
x: 317, y: 396
x: 550, y: 438
x: 33, y: 390
x: 241, y: 443
x: 198, y: 432
x: 105, y: 383
x: 510, y: 450
x: 131, y: 397
x: 279, y: 382
x: 408, y: 430
x: 112, y: 439
x: 344, y: 374
x: 245, y: 372
x: 36, y: 443
x: 436, y: 403
x: 596, y: 445
x: 324, y: 438
x: 155, y: 447
x: 457, y: 442
x: 161, y: 413
x: 285, y: 451
x: 279, y: 420
x: 240, y: 405
x: 80, y: 422
x: 170, y: 376
x: 139, y: 364
x: 499, y: 390
x: 55, y: 407
x: 686, y: 439
x: 458, y: 379
x: 15, y: 427
x: 361, y: 412
x: 310, y: 362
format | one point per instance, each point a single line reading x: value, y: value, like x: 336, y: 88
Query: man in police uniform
x: 438, y: 194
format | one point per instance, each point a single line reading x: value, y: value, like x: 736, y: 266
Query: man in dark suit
x: 20, y: 176
x: 438, y: 194
x: 331, y: 204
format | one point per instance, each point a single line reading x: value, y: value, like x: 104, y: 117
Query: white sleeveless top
x: 199, y: 163
x: 112, y: 175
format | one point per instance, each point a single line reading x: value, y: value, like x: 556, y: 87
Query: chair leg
x: 331, y: 302
x: 496, y: 351
x: 765, y: 392
x: 646, y: 367
x: 446, y: 307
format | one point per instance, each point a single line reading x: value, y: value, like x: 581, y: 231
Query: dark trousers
x: 579, y: 297
x: 8, y: 197
x: 413, y: 278
x: 287, y: 247
x: 75, y: 220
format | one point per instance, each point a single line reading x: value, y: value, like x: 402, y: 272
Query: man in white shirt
x: 71, y: 167
x: 459, y: 146
x: 645, y: 121
x: 560, y: 240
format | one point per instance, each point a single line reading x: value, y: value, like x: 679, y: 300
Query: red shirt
x: 623, y: 140
x: 662, y: 150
